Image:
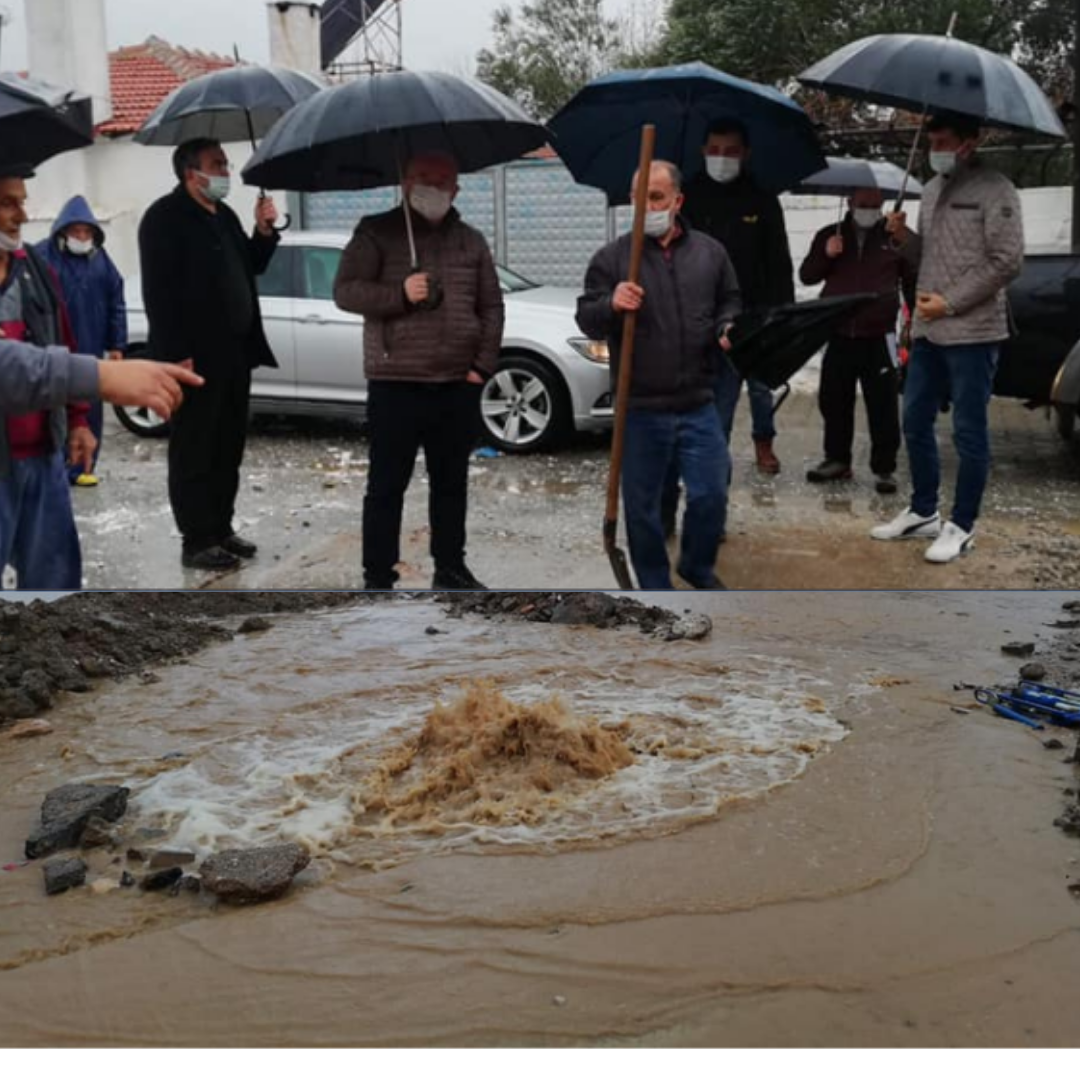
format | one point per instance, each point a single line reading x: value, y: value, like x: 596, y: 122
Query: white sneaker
x: 951, y: 544
x: 908, y: 526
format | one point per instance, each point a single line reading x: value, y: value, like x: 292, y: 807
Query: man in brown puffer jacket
x: 432, y: 334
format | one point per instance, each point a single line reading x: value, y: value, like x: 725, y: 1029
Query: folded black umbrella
x: 773, y: 345
x: 39, y: 121
x: 360, y: 134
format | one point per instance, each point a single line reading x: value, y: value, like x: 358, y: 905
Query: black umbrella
x: 359, y: 135
x: 39, y: 121
x: 231, y: 105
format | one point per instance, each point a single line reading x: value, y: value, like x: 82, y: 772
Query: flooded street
x: 539, y: 834
x: 535, y: 521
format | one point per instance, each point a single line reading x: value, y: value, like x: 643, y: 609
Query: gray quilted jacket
x: 970, y: 246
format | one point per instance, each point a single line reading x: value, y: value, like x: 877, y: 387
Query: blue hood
x: 77, y: 212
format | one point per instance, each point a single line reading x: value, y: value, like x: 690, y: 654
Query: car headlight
x: 596, y: 351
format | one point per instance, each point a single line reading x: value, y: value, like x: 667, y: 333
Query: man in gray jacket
x: 687, y: 300
x: 970, y: 246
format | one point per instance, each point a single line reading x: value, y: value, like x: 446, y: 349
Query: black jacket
x: 180, y: 248
x: 749, y: 222
x: 689, y: 300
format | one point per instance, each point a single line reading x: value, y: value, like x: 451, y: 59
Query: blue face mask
x: 943, y: 162
x: 217, y: 188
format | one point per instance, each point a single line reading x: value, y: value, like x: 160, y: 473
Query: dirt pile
x: 484, y: 759
x: 570, y: 609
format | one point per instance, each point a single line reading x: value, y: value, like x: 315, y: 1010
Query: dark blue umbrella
x: 598, y: 132
x: 358, y: 135
x: 925, y: 72
x: 847, y: 175
x: 39, y: 121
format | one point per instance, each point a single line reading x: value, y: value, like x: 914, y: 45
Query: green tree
x: 543, y: 56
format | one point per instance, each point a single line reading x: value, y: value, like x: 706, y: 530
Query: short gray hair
x: 674, y: 173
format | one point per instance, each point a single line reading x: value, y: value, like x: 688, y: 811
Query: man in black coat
x: 198, y: 278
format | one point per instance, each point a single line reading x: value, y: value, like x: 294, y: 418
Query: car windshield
x: 513, y: 283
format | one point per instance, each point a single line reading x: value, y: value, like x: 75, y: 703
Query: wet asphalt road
x: 535, y: 521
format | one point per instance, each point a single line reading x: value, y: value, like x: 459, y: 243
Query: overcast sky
x: 441, y: 34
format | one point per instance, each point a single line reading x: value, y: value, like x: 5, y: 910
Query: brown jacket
x: 406, y: 345
x: 873, y: 265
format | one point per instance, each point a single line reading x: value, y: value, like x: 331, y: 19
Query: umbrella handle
x: 626, y: 356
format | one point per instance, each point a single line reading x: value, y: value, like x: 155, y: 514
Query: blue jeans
x: 964, y: 374
x: 97, y: 425
x: 728, y: 389
x: 694, y: 442
x: 37, y: 528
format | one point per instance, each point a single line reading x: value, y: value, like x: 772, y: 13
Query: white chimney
x: 66, y: 45
x: 296, y: 35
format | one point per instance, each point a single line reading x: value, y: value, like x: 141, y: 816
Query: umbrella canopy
x: 597, y: 133
x: 359, y: 135
x: 845, y: 175
x: 922, y: 72
x: 232, y: 105
x: 39, y: 121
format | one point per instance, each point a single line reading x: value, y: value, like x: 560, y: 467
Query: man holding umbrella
x: 686, y: 302
x: 970, y: 246
x: 198, y: 276
x: 431, y: 341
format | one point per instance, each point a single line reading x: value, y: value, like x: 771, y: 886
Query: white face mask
x: 8, y: 245
x: 80, y: 247
x: 217, y: 188
x: 723, y: 169
x: 430, y: 202
x: 943, y: 162
x: 866, y: 218
x: 657, y: 223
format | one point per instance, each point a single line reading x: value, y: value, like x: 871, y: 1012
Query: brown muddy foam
x: 484, y: 759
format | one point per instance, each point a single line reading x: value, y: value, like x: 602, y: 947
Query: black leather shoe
x: 714, y: 583
x: 375, y: 585
x: 211, y: 558
x: 459, y: 578
x: 237, y: 545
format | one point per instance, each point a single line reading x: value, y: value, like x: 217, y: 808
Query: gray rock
x: 187, y: 883
x: 584, y: 609
x: 17, y: 704
x: 167, y: 857
x: 35, y: 684
x: 1017, y: 648
x: 67, y: 811
x: 127, y: 881
x: 245, y: 877
x: 97, y: 834
x: 160, y: 880
x: 1054, y: 744
x: 690, y: 628
x: 255, y: 625
x: 63, y: 874
x: 1034, y: 672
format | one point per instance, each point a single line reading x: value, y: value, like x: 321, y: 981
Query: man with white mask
x: 198, y: 276
x: 858, y: 256
x: 432, y: 333
x: 969, y: 247
x: 687, y: 301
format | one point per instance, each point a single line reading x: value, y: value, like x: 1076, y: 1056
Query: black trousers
x: 443, y: 419
x: 206, y: 449
x: 848, y: 363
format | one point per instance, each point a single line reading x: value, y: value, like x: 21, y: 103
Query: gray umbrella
x: 846, y: 175
x: 926, y: 72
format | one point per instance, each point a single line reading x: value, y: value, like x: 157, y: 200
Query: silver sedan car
x: 551, y: 381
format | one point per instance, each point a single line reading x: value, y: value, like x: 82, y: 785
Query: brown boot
x: 767, y: 461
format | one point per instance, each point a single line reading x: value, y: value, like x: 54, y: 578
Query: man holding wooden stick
x: 685, y: 303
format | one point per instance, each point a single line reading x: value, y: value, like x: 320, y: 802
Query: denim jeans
x: 728, y: 389
x: 964, y: 374
x: 694, y: 441
x: 37, y: 527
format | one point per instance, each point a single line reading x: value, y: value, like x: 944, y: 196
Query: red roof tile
x: 142, y: 76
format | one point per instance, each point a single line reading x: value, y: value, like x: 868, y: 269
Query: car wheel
x: 142, y: 422
x: 524, y: 407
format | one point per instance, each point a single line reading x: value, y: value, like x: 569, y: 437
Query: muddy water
x: 780, y: 835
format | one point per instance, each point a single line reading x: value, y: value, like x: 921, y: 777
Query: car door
x: 277, y: 299
x: 329, y: 342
